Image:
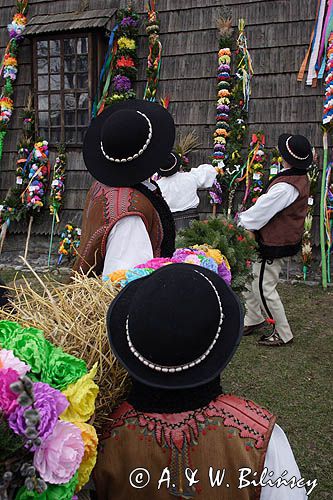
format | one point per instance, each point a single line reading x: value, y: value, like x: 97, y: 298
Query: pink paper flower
x: 8, y: 399
x: 155, y: 263
x: 8, y: 360
x: 60, y: 455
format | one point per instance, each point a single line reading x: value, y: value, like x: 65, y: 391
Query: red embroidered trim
x: 251, y: 420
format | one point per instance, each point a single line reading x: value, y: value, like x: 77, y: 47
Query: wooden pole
x: 51, y: 240
x: 322, y: 214
x: 214, y: 210
x: 28, y: 237
x: 3, y: 235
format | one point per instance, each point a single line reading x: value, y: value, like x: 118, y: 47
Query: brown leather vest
x: 228, y: 434
x: 282, y: 235
x: 103, y: 208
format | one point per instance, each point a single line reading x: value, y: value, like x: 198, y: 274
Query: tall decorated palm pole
x: 154, y: 59
x: 8, y: 68
x: 327, y: 125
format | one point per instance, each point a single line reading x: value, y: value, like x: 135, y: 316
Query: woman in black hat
x: 277, y: 219
x: 125, y: 219
x: 179, y: 189
x: 175, y: 331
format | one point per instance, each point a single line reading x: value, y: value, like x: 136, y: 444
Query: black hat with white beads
x: 128, y: 142
x: 177, y: 328
x: 296, y: 150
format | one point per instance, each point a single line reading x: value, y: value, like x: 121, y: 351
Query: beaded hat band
x: 140, y: 152
x: 186, y: 366
x: 173, y: 166
x: 293, y: 154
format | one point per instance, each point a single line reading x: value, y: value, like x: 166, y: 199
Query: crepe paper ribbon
x: 107, y: 68
x: 324, y: 37
x: 322, y: 213
x: 312, y: 74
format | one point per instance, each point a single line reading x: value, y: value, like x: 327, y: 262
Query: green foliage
x: 233, y: 242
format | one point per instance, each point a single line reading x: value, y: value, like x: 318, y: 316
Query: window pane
x: 43, y: 119
x: 54, y: 64
x: 69, y: 64
x: 70, y: 135
x: 82, y: 80
x: 55, y: 118
x: 70, y: 101
x: 69, y: 117
x: 70, y: 46
x: 43, y: 102
x: 83, y: 101
x: 81, y: 132
x: 54, y: 47
x: 42, y: 48
x: 55, y: 82
x: 82, y: 63
x: 42, y: 66
x: 69, y: 81
x: 55, y: 101
x: 55, y: 135
x: 82, y: 46
x: 43, y: 82
x: 43, y: 133
x: 82, y: 117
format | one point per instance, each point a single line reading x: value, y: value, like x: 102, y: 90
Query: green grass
x: 295, y: 382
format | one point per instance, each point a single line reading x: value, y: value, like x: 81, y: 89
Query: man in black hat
x: 180, y: 189
x: 277, y: 220
x: 125, y: 219
x: 175, y: 331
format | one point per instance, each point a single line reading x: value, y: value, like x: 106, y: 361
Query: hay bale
x: 72, y: 316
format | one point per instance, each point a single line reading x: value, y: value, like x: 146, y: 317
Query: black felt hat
x: 177, y: 328
x: 128, y: 142
x: 295, y: 150
x: 171, y: 166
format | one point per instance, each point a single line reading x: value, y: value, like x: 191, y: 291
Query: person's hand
x: 251, y: 234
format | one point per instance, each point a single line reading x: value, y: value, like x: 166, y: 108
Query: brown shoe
x: 248, y: 330
x: 273, y: 340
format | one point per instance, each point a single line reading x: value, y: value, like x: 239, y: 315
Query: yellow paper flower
x: 220, y: 140
x: 126, y: 43
x: 90, y: 441
x: 81, y: 397
x: 117, y: 276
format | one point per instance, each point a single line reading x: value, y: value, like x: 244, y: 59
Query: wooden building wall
x: 278, y: 34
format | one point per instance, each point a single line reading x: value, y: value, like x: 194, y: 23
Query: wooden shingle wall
x: 278, y: 34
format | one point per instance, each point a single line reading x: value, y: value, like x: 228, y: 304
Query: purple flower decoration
x: 49, y: 402
x: 129, y: 22
x: 121, y: 83
x: 224, y: 273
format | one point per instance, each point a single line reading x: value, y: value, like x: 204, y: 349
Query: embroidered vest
x: 282, y: 235
x: 226, y: 435
x: 104, y: 207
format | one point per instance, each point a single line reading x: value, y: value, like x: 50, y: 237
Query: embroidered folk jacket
x: 104, y: 207
x: 228, y: 434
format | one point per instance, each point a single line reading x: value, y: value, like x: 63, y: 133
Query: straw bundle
x: 72, y: 316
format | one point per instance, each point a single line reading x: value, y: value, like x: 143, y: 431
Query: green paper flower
x: 53, y: 492
x: 30, y: 346
x: 62, y: 369
x: 8, y: 329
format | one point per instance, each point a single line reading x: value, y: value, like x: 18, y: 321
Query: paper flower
x: 8, y: 329
x: 53, y: 492
x: 30, y: 346
x: 125, y: 43
x: 62, y: 369
x: 8, y: 360
x: 60, y: 455
x: 81, y: 397
x: 50, y: 404
x: 90, y: 440
x: 125, y: 62
x: 155, y: 263
x: 8, y: 399
x: 121, y: 83
x: 116, y: 276
x: 224, y: 272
